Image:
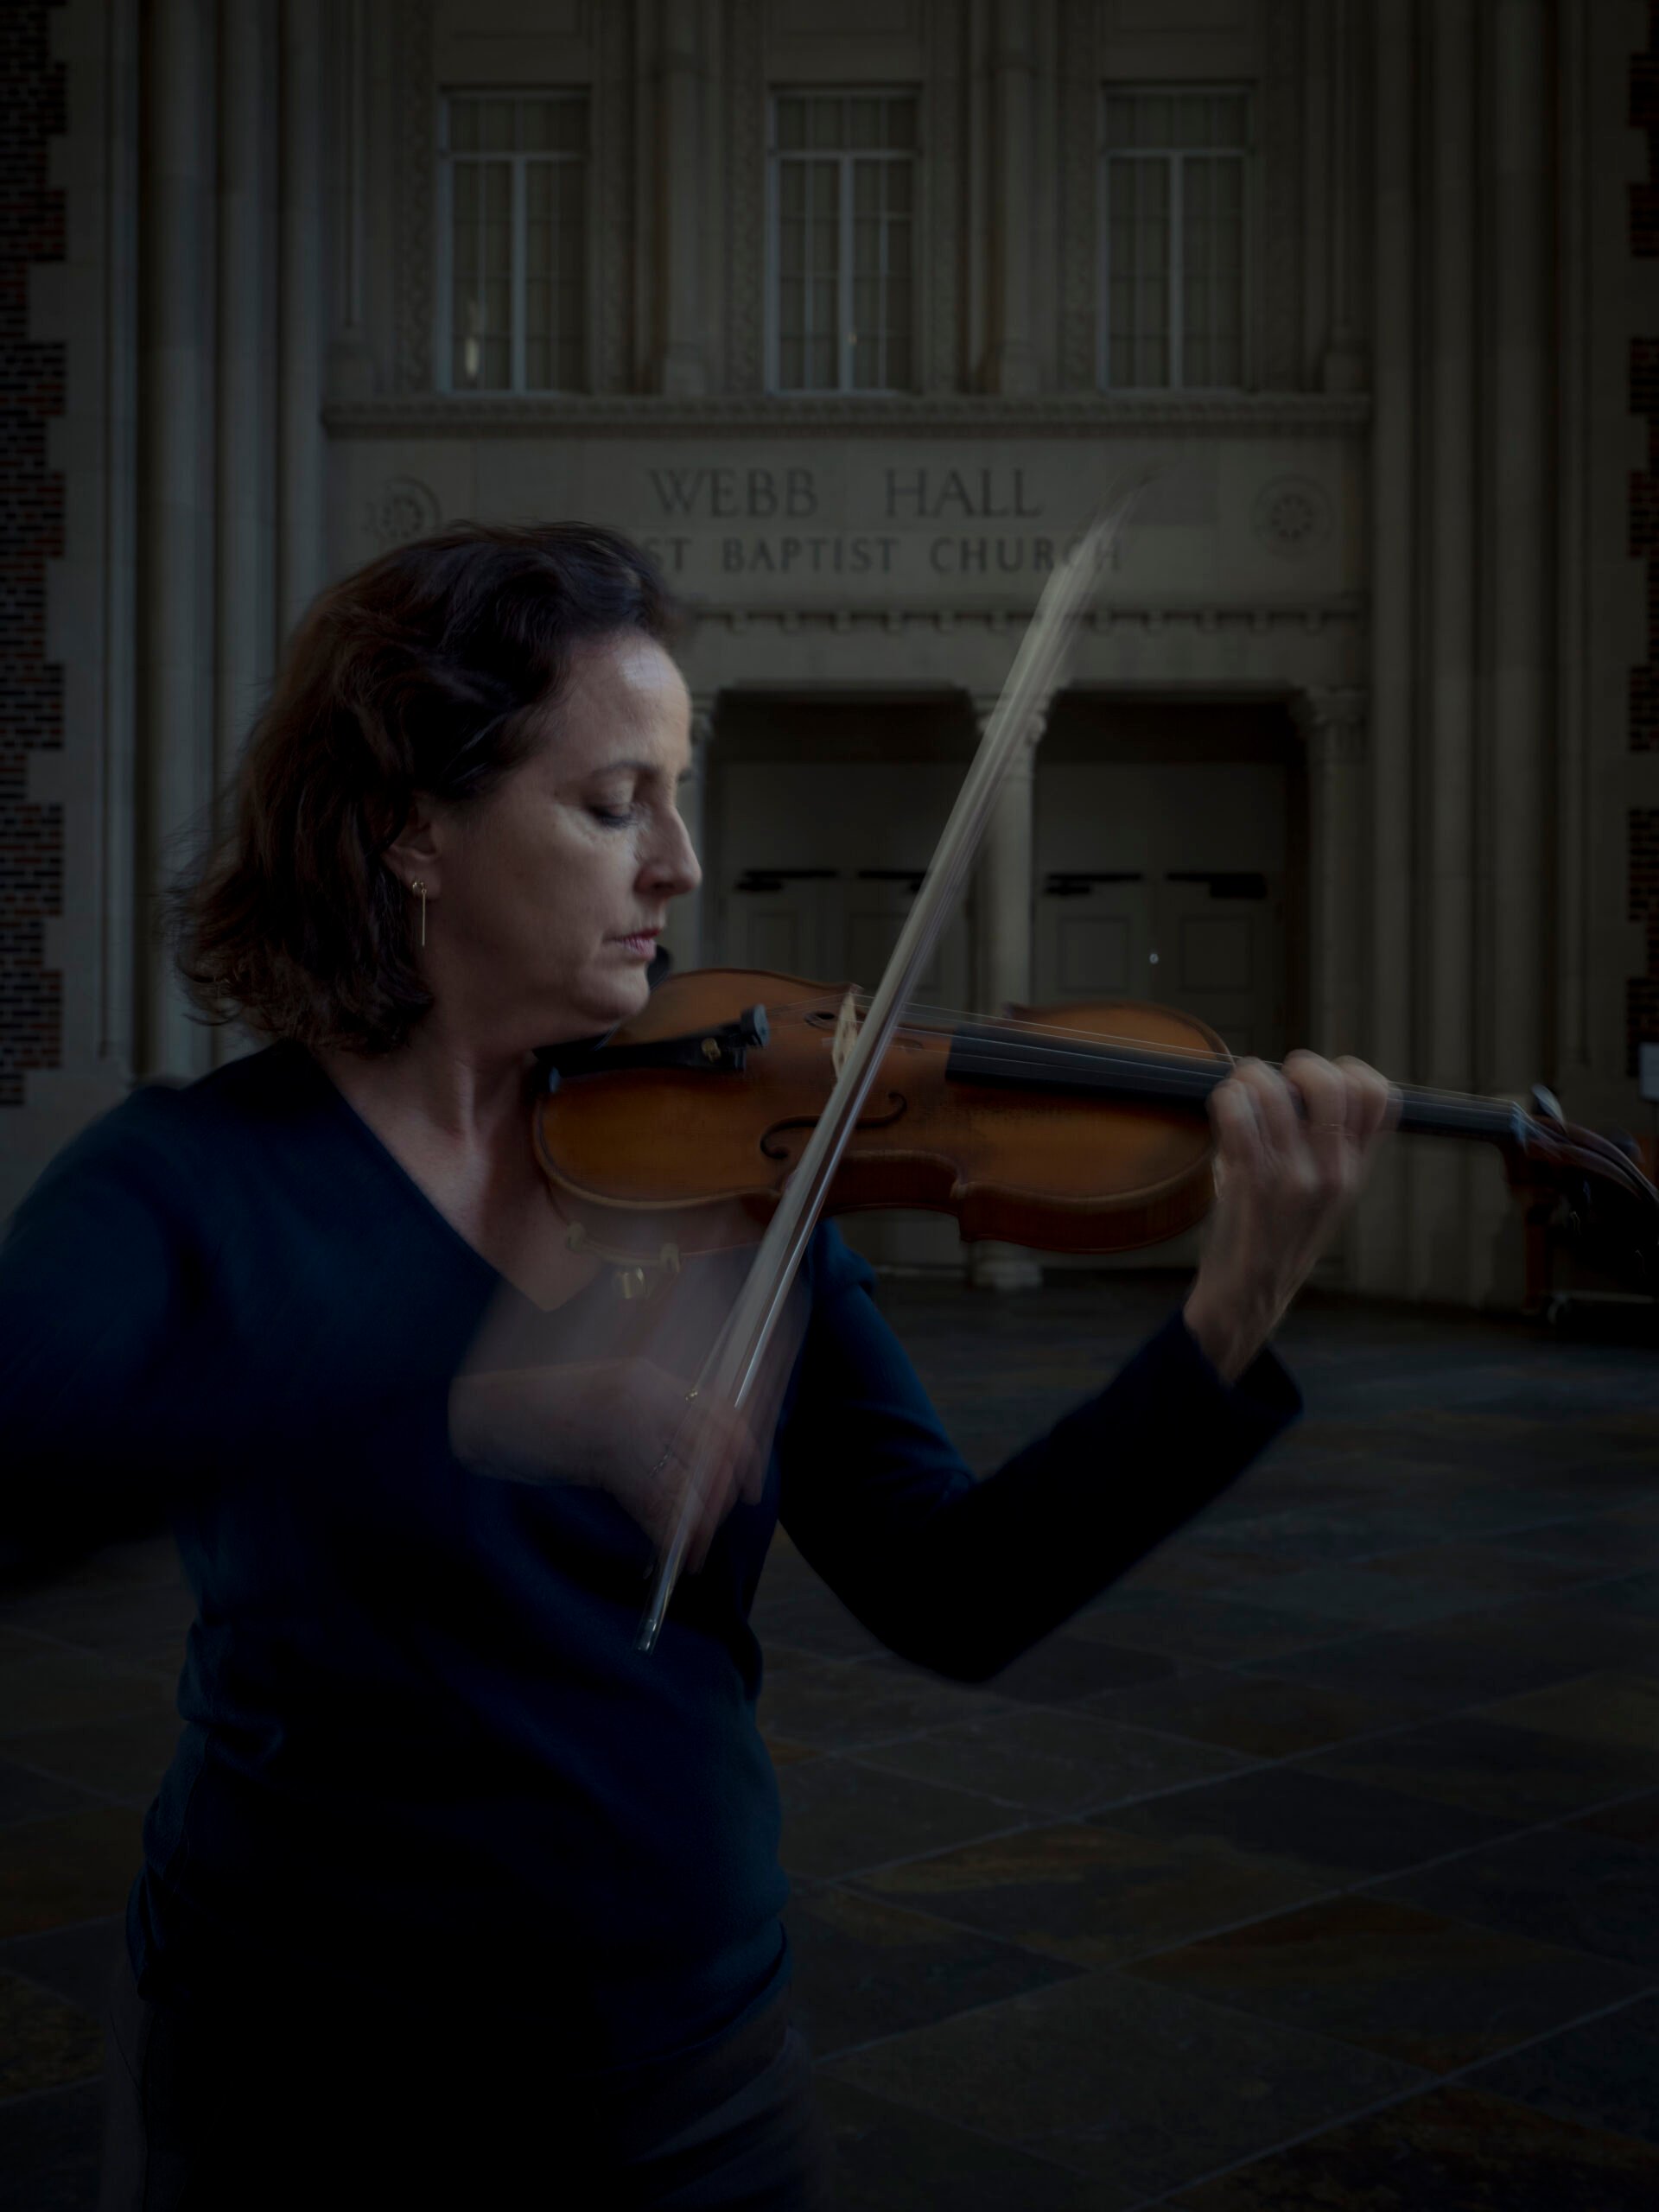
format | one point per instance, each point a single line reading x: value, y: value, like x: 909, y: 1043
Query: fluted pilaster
x: 681, y: 368
x: 173, y: 654
x: 1332, y: 723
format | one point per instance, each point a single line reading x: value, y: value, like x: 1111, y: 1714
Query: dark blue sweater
x: 421, y: 1755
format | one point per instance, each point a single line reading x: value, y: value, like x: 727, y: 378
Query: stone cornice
x: 468, y: 414
x: 1309, y: 615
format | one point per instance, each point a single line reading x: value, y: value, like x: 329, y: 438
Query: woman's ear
x: 415, y: 854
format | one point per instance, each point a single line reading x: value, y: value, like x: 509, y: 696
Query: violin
x: 1074, y: 1127
x: 737, y: 1108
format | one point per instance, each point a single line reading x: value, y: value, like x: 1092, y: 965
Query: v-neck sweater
x: 423, y: 1762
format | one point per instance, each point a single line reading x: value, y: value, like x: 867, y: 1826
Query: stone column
x: 350, y: 363
x: 1520, y: 529
x: 300, y: 277
x: 684, y: 935
x: 1332, y: 723
x: 1521, y: 517
x: 245, y: 491
x: 175, y: 515
x: 1380, y: 1238
x: 1002, y: 956
x: 1344, y: 366
x: 1012, y: 367
x: 1446, y: 759
x: 681, y: 368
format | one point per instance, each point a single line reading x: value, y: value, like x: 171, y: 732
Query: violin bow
x: 729, y: 1373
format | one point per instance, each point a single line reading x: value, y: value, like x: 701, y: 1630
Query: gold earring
x: 419, y: 889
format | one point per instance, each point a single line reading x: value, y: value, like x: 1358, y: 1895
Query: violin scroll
x: 1587, y: 1187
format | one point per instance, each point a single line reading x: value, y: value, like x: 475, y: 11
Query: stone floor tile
x: 1203, y: 1627
x: 44, y: 2042
x: 1311, y: 1824
x: 1188, y: 1563
x: 1133, y: 2084
x: 1445, y: 1667
x: 865, y: 1968
x: 78, y: 1867
x: 814, y: 1621
x: 1456, y: 2149
x: 115, y: 1566
x: 1632, y: 1593
x: 1600, y: 2073
x: 74, y: 1963
x: 27, y: 1795
x: 1584, y: 1546
x: 839, y: 1816
x: 123, y: 1758
x: 161, y: 1655
x: 1515, y: 1774
x: 890, y: 2158
x: 784, y: 1754
x: 1090, y: 1894
x: 1516, y: 1565
x: 1049, y: 1764
x: 1610, y: 1708
x: 52, y: 1686
x: 1431, y: 1992
x: 1263, y: 1719
x: 1074, y: 1664
x: 838, y: 1705
x: 1568, y: 1884
x: 1636, y: 1821
x: 1358, y: 1592
x: 100, y: 1620
x: 51, y: 2150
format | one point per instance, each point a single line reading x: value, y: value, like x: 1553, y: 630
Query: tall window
x: 1173, y: 188
x: 513, y: 170
x: 843, y: 199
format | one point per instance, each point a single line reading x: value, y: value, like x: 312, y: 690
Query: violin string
x: 1203, y: 1064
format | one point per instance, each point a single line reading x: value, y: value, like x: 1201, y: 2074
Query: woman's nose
x: 678, y: 866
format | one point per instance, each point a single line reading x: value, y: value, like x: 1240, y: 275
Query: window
x: 514, y: 227
x: 1173, y: 298
x: 843, y: 197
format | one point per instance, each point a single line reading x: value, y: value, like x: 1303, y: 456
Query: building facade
x: 851, y: 315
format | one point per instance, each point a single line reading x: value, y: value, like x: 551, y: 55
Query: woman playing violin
x: 446, y: 1875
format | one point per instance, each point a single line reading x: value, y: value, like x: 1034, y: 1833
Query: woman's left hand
x: 1284, y: 1183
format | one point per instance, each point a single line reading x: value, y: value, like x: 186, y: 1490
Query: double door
x: 1166, y: 883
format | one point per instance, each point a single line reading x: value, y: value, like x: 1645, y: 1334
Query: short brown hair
x: 426, y: 671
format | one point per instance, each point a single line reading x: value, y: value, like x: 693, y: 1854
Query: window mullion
x: 517, y: 308
x: 844, y: 286
x: 480, y: 262
x: 881, y: 264
x: 1176, y: 266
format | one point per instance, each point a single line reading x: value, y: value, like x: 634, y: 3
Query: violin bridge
x: 846, y: 1034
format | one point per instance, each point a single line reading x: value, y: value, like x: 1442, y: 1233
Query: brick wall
x: 1641, y: 992
x: 31, y: 532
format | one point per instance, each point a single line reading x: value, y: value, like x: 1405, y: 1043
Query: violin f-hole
x: 771, y: 1149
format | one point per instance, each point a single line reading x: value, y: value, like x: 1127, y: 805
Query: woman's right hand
x: 624, y: 1426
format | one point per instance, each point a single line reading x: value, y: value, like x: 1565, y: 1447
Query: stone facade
x: 1409, y: 535
x: 31, y: 529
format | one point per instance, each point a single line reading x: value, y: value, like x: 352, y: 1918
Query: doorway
x: 1169, y: 865
x: 824, y: 812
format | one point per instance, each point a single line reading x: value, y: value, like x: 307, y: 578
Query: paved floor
x: 1316, y: 1865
